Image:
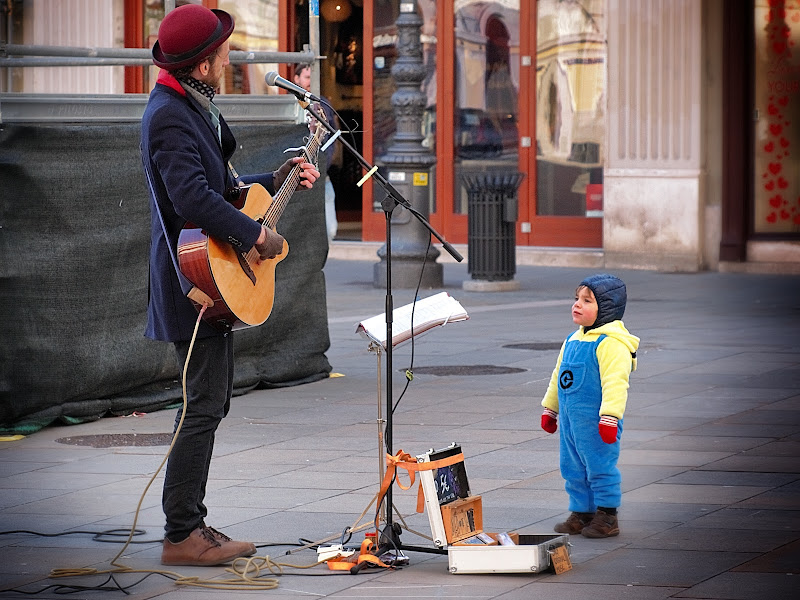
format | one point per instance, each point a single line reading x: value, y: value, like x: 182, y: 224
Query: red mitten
x: 608, y: 429
x: 549, y: 420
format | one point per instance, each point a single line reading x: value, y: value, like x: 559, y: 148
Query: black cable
x: 97, y: 535
x: 410, y: 370
x: 60, y: 588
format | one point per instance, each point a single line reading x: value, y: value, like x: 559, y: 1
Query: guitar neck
x: 283, y: 195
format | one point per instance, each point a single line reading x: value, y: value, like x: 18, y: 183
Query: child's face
x: 584, y: 311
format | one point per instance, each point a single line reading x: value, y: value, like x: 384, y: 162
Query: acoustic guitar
x: 241, y: 286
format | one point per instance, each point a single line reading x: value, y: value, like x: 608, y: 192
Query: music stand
x: 389, y: 538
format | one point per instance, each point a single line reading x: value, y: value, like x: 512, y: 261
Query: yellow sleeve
x: 615, y: 363
x: 550, y: 399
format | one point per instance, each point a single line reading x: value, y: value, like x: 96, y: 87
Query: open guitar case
x: 74, y: 237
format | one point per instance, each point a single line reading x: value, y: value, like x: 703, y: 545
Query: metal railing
x: 20, y: 55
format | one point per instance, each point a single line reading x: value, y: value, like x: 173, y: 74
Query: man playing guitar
x: 186, y: 147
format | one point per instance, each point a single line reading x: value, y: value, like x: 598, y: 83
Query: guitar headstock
x: 311, y: 120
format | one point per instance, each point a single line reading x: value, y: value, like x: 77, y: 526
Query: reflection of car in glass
x: 478, y: 136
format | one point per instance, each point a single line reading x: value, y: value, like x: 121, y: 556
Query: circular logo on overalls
x: 566, y: 379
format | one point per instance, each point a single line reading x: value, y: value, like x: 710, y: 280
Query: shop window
x: 777, y: 100
x: 486, y: 112
x: 570, y: 115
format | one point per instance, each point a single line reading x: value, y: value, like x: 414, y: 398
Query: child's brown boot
x: 602, y: 526
x: 574, y: 523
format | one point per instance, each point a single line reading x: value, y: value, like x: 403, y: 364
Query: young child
x: 588, y: 391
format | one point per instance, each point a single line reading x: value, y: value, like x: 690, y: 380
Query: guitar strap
x: 186, y: 285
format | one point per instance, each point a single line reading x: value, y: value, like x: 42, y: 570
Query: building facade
x: 653, y: 134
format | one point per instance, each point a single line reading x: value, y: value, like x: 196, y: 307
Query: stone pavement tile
x: 743, y: 586
x: 702, y: 444
x: 769, y: 417
x: 691, y: 537
x: 318, y: 441
x: 634, y: 456
x: 508, y: 471
x: 427, y: 416
x: 430, y: 578
x: 703, y: 408
x: 9, y: 468
x: 763, y: 464
x: 748, y: 518
x: 288, y: 527
x: 55, y: 523
x: 355, y: 502
x: 316, y: 479
x: 703, y: 378
x: 13, y: 498
x: 767, y: 396
x: 672, y: 568
x: 785, y: 559
x: 84, y: 502
x: 744, y: 363
x: 793, y: 486
x: 551, y: 589
x: 524, y: 499
x: 636, y: 476
x: 732, y: 478
x: 792, y: 403
x: 782, y: 448
x: 773, y: 499
x: 479, y: 486
x: 634, y: 437
x: 260, y: 498
x: 57, y: 481
x: 331, y: 415
x: 521, y: 420
x: 700, y: 494
x: 485, y: 405
x: 111, y: 463
x: 665, y: 511
x: 756, y: 430
x: 664, y: 423
x: 787, y: 378
x: 467, y: 435
x: 21, y: 564
x: 229, y: 467
x: 551, y: 480
x: 530, y: 520
x: 513, y: 457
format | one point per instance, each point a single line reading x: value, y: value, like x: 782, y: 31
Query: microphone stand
x: 389, y: 539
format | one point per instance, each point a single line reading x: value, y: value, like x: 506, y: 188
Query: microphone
x: 272, y: 78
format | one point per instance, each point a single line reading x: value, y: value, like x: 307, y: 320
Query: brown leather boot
x: 203, y: 549
x: 602, y: 526
x: 574, y: 523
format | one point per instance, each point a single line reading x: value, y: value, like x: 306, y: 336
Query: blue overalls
x: 588, y: 465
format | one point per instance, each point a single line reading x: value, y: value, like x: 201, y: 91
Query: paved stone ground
x: 711, y: 476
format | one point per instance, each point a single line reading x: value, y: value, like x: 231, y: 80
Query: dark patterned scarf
x: 201, y: 87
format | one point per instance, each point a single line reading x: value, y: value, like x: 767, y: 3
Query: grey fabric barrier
x: 74, y: 236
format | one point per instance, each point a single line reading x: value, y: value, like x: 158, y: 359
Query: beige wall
x: 81, y: 23
x: 655, y: 178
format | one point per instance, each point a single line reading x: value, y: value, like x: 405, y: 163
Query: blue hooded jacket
x: 611, y: 296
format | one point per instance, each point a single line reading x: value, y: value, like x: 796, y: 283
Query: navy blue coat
x: 187, y: 172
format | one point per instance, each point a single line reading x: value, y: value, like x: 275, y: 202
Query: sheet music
x: 430, y: 312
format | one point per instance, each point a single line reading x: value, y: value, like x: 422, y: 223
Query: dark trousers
x: 209, y: 385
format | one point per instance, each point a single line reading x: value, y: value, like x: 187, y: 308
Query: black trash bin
x: 491, y: 229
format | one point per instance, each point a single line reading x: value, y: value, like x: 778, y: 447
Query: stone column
x: 408, y: 166
x: 655, y: 177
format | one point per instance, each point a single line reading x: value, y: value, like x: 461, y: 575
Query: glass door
x: 485, y: 92
x: 570, y: 124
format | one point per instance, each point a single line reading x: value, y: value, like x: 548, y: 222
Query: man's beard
x: 212, y: 80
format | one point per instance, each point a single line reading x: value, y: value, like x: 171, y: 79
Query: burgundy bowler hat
x: 190, y: 33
